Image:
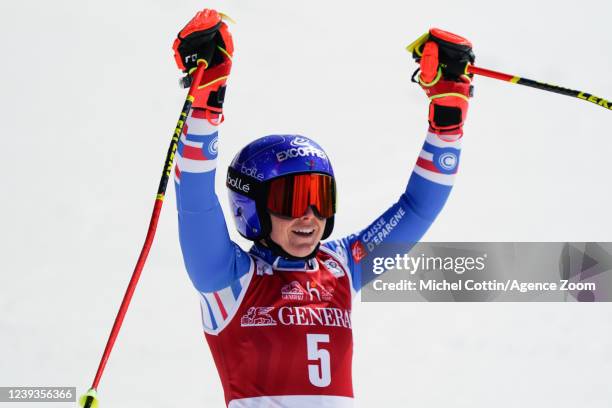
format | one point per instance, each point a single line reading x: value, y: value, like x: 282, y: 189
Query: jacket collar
x: 280, y: 263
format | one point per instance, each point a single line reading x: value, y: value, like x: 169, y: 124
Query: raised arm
x: 215, y: 264
x: 212, y: 260
x: 430, y: 183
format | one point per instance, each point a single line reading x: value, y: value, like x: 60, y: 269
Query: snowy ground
x: 89, y: 100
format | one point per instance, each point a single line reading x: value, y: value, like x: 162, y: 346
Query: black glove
x: 205, y: 40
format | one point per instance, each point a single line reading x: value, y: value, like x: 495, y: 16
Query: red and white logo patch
x: 313, y: 291
x: 293, y: 291
x: 258, y: 316
x: 317, y: 290
x: 334, y: 268
x: 358, y: 251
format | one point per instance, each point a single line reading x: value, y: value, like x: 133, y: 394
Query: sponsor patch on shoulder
x: 334, y: 267
x: 358, y: 251
x: 263, y: 268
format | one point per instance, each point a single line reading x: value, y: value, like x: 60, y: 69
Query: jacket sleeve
x: 216, y: 265
x: 406, y: 221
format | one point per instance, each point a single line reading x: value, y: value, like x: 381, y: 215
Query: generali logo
x: 297, y: 316
x: 258, y: 316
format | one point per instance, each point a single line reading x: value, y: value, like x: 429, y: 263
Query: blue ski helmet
x: 256, y: 165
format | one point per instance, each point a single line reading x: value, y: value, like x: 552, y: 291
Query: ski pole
x: 540, y: 85
x: 90, y: 399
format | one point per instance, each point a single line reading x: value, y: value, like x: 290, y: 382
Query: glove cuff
x: 209, y: 94
x: 448, y: 104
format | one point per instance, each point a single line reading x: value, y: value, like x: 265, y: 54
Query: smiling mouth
x: 304, y: 232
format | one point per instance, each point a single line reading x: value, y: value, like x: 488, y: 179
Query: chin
x: 301, y: 250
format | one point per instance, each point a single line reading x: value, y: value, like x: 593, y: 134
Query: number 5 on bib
x: 319, y: 374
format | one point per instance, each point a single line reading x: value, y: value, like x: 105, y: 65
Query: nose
x: 308, y: 214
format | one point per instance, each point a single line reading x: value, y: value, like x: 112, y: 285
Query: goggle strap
x: 246, y: 185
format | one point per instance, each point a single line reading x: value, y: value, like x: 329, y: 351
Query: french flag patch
x: 218, y: 307
x: 439, y: 159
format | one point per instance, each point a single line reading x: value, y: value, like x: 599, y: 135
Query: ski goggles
x: 290, y: 196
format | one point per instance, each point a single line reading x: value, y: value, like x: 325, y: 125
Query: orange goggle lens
x: 291, y: 196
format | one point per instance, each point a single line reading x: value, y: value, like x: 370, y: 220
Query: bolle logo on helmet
x: 447, y: 161
x: 302, y: 151
x: 300, y: 141
x: 238, y: 184
x: 251, y: 172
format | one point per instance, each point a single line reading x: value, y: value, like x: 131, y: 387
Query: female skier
x: 278, y: 317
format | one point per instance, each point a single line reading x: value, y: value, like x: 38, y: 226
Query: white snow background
x: 89, y: 100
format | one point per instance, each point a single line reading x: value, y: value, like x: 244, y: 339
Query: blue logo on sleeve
x: 447, y: 160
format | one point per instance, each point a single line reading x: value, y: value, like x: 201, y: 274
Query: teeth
x: 304, y: 231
